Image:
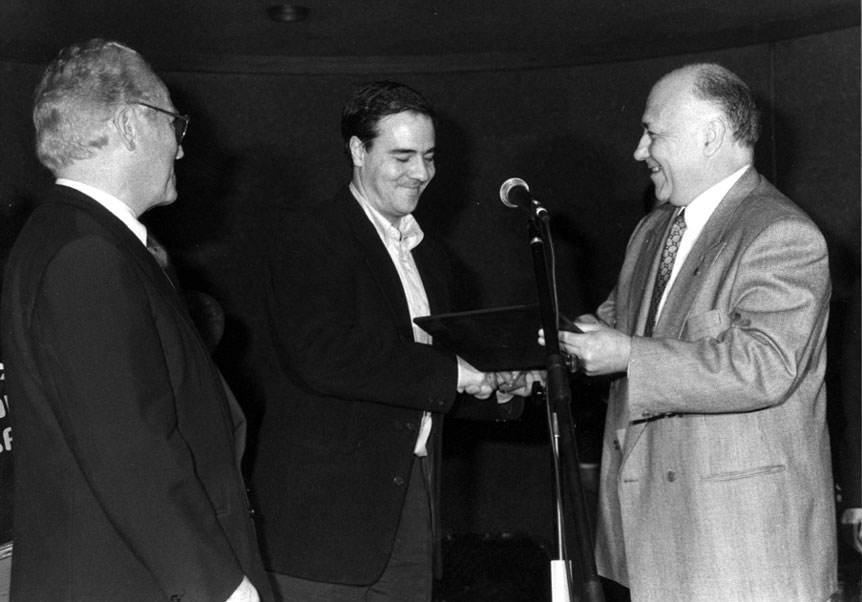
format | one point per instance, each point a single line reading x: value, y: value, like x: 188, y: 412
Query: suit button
x: 411, y: 426
x: 671, y: 476
x: 398, y: 481
x: 645, y: 415
x: 616, y: 444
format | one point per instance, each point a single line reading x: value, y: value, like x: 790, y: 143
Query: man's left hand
x: 600, y: 349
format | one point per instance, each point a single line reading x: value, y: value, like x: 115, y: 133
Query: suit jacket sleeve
x: 101, y: 341
x: 756, y: 343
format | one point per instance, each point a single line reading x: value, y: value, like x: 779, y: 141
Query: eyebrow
x: 408, y: 151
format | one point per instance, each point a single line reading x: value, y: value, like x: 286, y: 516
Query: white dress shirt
x: 697, y: 213
x: 399, y: 241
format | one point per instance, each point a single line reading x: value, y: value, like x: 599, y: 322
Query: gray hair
x: 79, y: 93
x: 717, y: 84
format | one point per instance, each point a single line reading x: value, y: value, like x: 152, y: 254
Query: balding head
x: 717, y: 85
x: 700, y: 125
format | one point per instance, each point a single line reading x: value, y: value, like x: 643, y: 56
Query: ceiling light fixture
x: 286, y: 13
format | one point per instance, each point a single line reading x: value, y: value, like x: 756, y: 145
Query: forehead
x: 663, y: 99
x: 407, y: 130
x: 672, y: 102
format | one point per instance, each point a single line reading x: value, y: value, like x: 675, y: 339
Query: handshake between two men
x: 482, y: 384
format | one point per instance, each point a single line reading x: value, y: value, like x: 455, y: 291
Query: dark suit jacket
x: 127, y: 484
x: 347, y: 389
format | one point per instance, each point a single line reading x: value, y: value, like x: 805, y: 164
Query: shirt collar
x: 407, y: 233
x: 698, y: 212
x: 117, y: 207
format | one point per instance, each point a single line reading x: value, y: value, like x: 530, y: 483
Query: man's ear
x: 357, y: 151
x: 126, y: 124
x: 716, y: 131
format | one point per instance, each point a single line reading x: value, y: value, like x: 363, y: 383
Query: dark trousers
x: 408, y: 575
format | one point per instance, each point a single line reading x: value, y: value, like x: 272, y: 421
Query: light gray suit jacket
x: 716, y: 481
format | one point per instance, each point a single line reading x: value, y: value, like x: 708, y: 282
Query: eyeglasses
x: 180, y: 122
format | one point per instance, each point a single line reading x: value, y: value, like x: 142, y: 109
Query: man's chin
x: 168, y: 200
x: 409, y: 203
x: 667, y: 199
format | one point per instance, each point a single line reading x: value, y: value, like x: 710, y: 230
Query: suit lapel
x: 378, y: 261
x: 706, y: 249
x: 643, y: 275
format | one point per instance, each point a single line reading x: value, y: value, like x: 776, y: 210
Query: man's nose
x: 642, y: 150
x: 420, y: 170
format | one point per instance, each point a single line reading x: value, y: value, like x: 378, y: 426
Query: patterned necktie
x: 161, y: 256
x: 668, y: 255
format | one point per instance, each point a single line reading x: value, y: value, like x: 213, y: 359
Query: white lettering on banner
x: 4, y: 407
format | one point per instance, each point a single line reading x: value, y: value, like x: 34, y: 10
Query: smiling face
x: 674, y: 140
x: 394, y: 168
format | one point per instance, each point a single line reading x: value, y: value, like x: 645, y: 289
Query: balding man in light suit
x: 716, y: 482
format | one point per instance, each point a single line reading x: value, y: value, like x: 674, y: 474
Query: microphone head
x: 507, y: 186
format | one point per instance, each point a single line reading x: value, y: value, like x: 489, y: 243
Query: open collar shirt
x: 400, y: 239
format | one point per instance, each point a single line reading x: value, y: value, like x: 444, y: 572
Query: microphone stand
x: 568, y: 489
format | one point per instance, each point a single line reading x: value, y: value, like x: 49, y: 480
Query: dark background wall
x: 261, y: 144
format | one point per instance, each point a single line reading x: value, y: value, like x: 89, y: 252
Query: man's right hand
x: 475, y: 382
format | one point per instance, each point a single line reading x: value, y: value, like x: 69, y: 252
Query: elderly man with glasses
x: 127, y: 440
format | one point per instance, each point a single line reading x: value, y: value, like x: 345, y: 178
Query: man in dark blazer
x: 344, y: 473
x: 127, y: 440
x: 716, y: 483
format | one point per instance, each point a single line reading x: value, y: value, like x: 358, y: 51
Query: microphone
x: 515, y: 193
